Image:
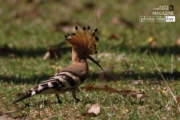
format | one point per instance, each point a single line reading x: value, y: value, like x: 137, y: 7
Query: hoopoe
x: 83, y: 44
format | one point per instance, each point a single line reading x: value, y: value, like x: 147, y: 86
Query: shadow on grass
x: 118, y: 76
x: 163, y: 50
x: 5, y: 51
x: 24, y: 80
x: 94, y: 76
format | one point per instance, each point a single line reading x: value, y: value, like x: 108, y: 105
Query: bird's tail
x: 27, y: 95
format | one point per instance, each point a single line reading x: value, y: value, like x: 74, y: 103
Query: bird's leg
x: 74, y: 95
x: 59, y: 101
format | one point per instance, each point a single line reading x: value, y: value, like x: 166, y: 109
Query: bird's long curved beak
x: 92, y: 59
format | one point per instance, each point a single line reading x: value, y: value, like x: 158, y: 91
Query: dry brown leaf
x: 52, y: 51
x: 139, y: 96
x: 136, y: 82
x: 66, y: 25
x: 134, y: 94
x: 89, y: 87
x: 128, y: 93
x: 5, y: 117
x: 63, y: 25
x: 121, y: 117
x: 143, y: 98
x: 95, y: 109
x: 178, y: 42
x: 8, y: 112
x: 46, y: 56
x: 50, y: 54
x: 114, y: 36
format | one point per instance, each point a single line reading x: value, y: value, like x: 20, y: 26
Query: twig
x: 163, y: 78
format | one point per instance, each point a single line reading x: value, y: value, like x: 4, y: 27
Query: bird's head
x: 83, y: 43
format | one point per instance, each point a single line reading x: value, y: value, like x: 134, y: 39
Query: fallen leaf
x: 128, y: 93
x: 53, y: 50
x: 114, y: 36
x: 63, y: 25
x: 143, y: 98
x: 5, y: 117
x: 46, y: 56
x: 108, y: 89
x: 138, y: 95
x: 178, y: 42
x: 66, y: 25
x: 89, y: 87
x: 121, y: 117
x: 104, y: 88
x: 136, y: 82
x: 50, y: 54
x: 95, y: 109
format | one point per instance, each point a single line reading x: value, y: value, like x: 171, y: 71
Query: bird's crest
x: 83, y: 40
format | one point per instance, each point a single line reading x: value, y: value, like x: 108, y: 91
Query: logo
x: 162, y: 13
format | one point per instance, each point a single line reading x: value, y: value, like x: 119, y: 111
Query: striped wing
x: 60, y: 83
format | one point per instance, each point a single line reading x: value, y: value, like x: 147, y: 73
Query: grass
x: 27, y: 27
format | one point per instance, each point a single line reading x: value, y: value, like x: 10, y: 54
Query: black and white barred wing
x: 60, y: 83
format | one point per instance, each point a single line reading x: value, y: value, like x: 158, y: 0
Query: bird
x: 83, y: 43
